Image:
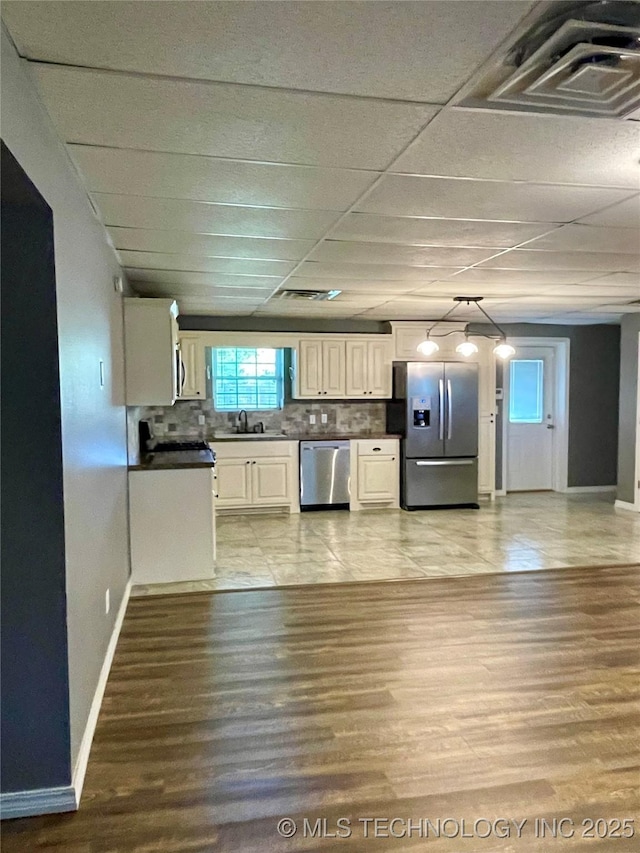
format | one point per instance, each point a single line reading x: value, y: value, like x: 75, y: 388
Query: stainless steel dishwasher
x: 325, y: 481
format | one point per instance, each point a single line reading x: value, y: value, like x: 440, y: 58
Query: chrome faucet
x: 243, y: 425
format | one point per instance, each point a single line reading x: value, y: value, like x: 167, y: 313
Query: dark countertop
x: 315, y: 436
x: 175, y: 460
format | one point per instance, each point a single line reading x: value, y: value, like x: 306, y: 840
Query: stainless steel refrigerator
x: 435, y: 409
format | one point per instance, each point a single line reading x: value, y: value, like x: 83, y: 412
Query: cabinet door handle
x: 377, y: 449
x: 248, y: 462
x: 253, y: 463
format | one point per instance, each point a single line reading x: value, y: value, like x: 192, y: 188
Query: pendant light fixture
x: 428, y: 347
x: 467, y: 348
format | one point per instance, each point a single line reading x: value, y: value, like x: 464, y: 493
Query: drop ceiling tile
x: 518, y: 146
x: 168, y: 277
x: 589, y: 238
x: 628, y: 308
x: 224, y: 219
x: 413, y: 51
x: 586, y: 319
x: 606, y: 291
x: 480, y: 276
x: 200, y: 263
x: 346, y: 284
x: 182, y: 176
x: 455, y: 287
x: 189, y: 307
x: 521, y: 259
x: 181, y: 242
x: 243, y: 297
x: 226, y: 120
x: 625, y: 214
x: 436, y: 232
x: 375, y: 272
x: 391, y: 253
x: 622, y: 279
x: 410, y: 195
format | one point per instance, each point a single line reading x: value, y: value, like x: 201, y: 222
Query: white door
x: 310, y: 368
x: 333, y: 368
x: 377, y: 478
x: 270, y: 481
x: 357, y: 352
x: 379, y: 369
x: 530, y: 411
x: 234, y: 482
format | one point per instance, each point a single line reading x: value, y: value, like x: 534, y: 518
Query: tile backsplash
x: 343, y: 417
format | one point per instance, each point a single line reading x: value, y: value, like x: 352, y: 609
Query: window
x: 247, y: 378
x: 526, y: 391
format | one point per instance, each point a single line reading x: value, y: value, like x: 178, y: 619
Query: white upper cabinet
x: 356, y: 358
x: 152, y: 354
x: 368, y: 368
x: 309, y: 369
x: 333, y: 368
x: 321, y: 368
x: 193, y: 378
x: 339, y: 368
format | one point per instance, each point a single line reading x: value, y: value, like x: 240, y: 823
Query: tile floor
x: 518, y: 533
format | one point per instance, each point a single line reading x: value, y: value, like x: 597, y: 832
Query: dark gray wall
x: 198, y: 323
x: 34, y: 670
x: 630, y: 328
x: 594, y: 372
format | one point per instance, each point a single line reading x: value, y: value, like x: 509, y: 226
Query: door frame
x: 637, y: 484
x: 561, y: 347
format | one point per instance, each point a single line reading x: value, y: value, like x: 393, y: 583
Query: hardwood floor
x: 476, y: 699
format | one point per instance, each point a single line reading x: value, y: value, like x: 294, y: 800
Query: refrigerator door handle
x: 449, y: 408
x: 422, y: 463
x: 441, y: 407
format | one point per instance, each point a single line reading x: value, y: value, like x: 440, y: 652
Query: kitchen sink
x: 248, y: 436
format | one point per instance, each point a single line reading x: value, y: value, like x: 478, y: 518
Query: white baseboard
x: 501, y: 493
x: 38, y: 801
x: 579, y: 490
x: 626, y: 505
x: 80, y: 768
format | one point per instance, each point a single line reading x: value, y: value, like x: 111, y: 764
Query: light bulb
x: 428, y: 347
x: 504, y: 350
x: 467, y: 348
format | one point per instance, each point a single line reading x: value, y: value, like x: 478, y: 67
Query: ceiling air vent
x: 583, y: 61
x: 308, y: 295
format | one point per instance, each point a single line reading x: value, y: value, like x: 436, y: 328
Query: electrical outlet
x: 202, y: 420
x: 159, y: 429
x: 312, y: 419
x: 107, y: 601
x: 323, y: 418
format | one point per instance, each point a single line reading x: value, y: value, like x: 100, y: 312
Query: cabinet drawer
x: 377, y: 447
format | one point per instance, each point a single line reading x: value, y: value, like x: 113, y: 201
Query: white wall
x: 93, y: 419
x: 630, y: 327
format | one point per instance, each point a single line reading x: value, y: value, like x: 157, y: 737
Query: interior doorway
x: 535, y: 416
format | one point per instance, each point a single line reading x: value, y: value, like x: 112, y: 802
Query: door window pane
x: 526, y: 391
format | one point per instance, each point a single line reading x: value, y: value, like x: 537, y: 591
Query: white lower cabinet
x: 375, y: 473
x: 486, y: 455
x: 234, y: 482
x: 172, y: 525
x: 255, y: 475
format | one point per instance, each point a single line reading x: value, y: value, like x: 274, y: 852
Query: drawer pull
x: 377, y: 449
